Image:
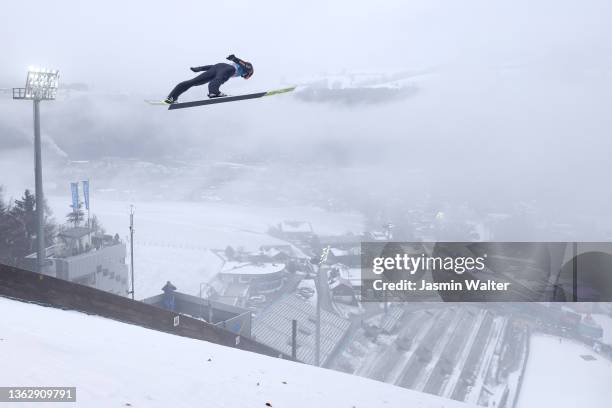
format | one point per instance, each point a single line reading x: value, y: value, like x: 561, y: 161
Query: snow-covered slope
x: 114, y: 364
x: 558, y: 375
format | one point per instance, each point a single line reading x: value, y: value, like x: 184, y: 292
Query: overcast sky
x: 150, y: 44
x: 517, y: 103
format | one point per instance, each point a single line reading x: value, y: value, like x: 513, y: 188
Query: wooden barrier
x: 49, y: 291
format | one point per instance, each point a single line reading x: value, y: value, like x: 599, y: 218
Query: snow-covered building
x: 296, y: 231
x: 86, y: 258
x: 350, y: 256
x: 261, y: 277
x: 342, y: 291
x: 287, y: 250
x: 378, y: 236
x: 350, y: 276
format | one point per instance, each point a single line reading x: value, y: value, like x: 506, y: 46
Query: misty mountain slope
x: 114, y: 364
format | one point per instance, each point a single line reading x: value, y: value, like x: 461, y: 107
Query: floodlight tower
x: 41, y: 85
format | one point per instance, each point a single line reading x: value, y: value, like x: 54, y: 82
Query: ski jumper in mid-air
x: 215, y: 76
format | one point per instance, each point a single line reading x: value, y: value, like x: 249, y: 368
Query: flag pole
x: 132, y: 247
x: 88, y: 206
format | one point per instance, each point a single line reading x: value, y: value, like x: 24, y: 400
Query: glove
x: 194, y: 69
x: 232, y: 57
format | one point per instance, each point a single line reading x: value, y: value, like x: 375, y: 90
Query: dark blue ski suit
x: 214, y: 75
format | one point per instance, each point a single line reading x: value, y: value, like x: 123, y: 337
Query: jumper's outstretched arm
x: 200, y: 69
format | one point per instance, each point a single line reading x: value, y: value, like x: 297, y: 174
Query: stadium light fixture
x: 41, y: 85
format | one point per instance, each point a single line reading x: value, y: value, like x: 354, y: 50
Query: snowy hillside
x: 564, y: 374
x: 117, y: 365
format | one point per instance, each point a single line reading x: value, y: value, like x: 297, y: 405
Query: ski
x: 156, y: 102
x: 181, y: 105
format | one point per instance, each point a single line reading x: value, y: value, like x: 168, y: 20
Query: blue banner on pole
x: 74, y: 187
x: 86, y: 193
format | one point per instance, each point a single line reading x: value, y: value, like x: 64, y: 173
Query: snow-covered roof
x: 339, y: 252
x: 352, y: 275
x: 379, y: 236
x: 354, y: 251
x: 248, y: 268
x: 280, y: 247
x: 288, y: 249
x: 271, y: 252
x: 296, y: 226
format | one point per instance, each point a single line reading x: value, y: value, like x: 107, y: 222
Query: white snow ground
x: 114, y: 364
x: 556, y: 376
x: 173, y: 239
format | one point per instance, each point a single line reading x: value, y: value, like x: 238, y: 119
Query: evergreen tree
x: 25, y: 210
x: 13, y: 239
x: 18, y: 229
